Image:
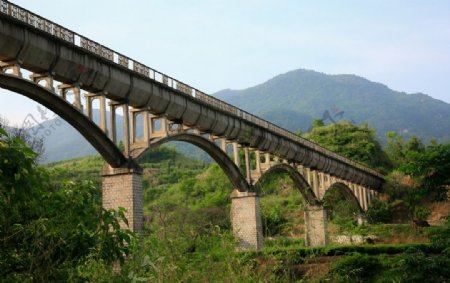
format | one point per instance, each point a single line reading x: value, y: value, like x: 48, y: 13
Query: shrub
x: 354, y: 268
x: 379, y: 212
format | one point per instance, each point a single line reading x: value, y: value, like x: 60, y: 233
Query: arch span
x: 347, y: 192
x: 88, y: 129
x: 300, y: 183
x: 228, y: 166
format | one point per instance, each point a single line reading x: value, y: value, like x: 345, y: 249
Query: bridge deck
x: 42, y: 46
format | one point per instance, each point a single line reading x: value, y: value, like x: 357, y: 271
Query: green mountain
x: 292, y: 100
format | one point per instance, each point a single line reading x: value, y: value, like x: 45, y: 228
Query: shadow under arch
x: 87, y: 128
x: 300, y: 183
x: 228, y: 166
x: 346, y: 192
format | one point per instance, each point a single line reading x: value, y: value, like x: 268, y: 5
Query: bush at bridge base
x: 47, y: 233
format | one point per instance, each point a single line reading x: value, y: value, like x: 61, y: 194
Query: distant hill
x: 294, y: 99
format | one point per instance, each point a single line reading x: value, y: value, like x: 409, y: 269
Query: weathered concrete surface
x: 245, y: 218
x: 122, y: 187
x: 316, y: 226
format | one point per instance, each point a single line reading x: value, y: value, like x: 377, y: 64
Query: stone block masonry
x: 246, y: 219
x: 316, y: 226
x: 122, y: 187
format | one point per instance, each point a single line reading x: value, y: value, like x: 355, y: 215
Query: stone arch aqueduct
x: 167, y: 110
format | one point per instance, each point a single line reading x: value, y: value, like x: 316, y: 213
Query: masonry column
x: 316, y: 226
x: 122, y: 187
x: 246, y: 219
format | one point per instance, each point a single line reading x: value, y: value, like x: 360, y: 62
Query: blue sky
x: 214, y: 45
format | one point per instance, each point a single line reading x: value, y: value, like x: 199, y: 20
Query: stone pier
x: 122, y: 187
x: 246, y: 219
x: 316, y: 226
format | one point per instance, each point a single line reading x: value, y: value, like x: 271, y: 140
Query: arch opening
x: 88, y: 129
x: 216, y: 153
x: 298, y: 180
x: 344, y: 210
x: 285, y: 196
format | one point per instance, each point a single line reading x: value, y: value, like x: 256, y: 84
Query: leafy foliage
x: 431, y: 170
x: 355, y: 268
x: 412, y: 266
x: 354, y: 142
x: 400, y: 152
x: 379, y: 212
x: 46, y: 232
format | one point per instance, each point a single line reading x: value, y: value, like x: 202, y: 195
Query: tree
x: 400, y: 152
x: 379, y: 212
x: 50, y: 233
x: 394, y: 148
x: 36, y: 144
x: 430, y: 169
x: 317, y: 123
x: 354, y: 142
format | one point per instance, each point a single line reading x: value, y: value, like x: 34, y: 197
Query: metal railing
x: 110, y: 55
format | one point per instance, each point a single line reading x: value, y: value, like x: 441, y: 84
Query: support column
x: 126, y: 130
x: 112, y: 123
x: 122, y: 187
x: 246, y: 220
x: 308, y: 176
x: 360, y: 219
x: 258, y: 161
x: 323, y: 185
x: 223, y: 145
x: 102, y: 113
x: 316, y: 226
x: 365, y: 206
x: 236, y: 154
x: 360, y: 197
x: 315, y: 183
x: 369, y: 197
x: 248, y: 168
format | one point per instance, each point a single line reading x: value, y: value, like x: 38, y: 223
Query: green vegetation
x: 354, y: 142
x: 51, y: 233
x: 412, y: 266
x: 379, y: 212
x: 58, y: 227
